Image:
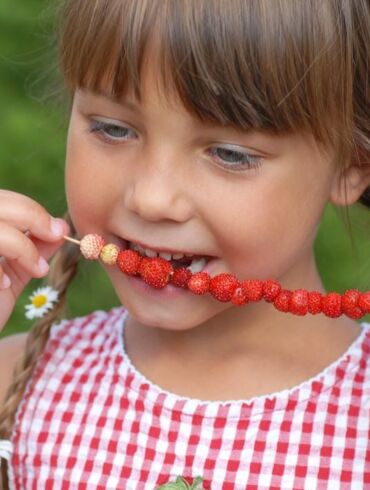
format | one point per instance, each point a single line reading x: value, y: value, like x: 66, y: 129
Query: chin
x: 174, y: 319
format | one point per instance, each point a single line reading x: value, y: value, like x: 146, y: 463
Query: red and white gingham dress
x: 90, y: 420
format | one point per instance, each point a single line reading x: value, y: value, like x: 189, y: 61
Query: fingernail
x: 5, y: 282
x: 56, y: 227
x: 43, y: 266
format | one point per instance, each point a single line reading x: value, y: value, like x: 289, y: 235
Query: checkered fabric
x: 90, y: 420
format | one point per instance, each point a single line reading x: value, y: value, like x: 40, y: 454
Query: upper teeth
x: 151, y: 253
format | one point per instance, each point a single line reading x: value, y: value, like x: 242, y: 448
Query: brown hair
x: 274, y: 66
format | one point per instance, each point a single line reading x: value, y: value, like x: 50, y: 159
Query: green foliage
x: 182, y: 484
x: 32, y: 150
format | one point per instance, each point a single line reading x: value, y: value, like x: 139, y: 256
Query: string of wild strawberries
x: 225, y: 287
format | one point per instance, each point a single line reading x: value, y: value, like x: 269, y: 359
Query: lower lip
x: 168, y: 291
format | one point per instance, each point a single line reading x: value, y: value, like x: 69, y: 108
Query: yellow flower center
x: 39, y: 300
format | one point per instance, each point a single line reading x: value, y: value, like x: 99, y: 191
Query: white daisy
x: 42, y: 300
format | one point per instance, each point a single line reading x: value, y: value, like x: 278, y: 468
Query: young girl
x: 219, y: 129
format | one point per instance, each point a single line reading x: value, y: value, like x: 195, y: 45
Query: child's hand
x: 26, y: 240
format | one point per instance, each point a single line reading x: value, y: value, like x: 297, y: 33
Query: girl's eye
x: 112, y: 133
x: 235, y: 159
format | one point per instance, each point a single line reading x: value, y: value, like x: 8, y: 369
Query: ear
x: 350, y: 184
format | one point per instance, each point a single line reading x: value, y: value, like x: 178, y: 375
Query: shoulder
x: 93, y: 326
x: 73, y: 341
x: 365, y: 352
x: 68, y: 338
x: 11, y: 350
x: 356, y: 383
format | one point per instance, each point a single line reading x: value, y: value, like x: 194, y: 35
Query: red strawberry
x: 145, y: 261
x: 298, y: 303
x: 350, y: 299
x: 331, y: 305
x: 156, y: 271
x: 364, y: 302
x: 199, y: 283
x: 239, y: 298
x: 350, y: 304
x: 355, y: 313
x: 222, y: 286
x: 254, y: 289
x: 314, y: 302
x: 181, y: 277
x: 129, y: 261
x: 271, y: 289
x: 281, y: 302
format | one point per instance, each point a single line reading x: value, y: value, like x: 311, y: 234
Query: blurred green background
x: 32, y: 148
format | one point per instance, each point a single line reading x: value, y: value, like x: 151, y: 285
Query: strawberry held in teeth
x: 156, y: 271
x: 193, y: 262
x: 186, y: 271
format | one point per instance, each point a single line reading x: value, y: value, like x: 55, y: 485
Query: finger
x: 46, y: 249
x: 5, y: 281
x: 15, y: 246
x: 24, y: 213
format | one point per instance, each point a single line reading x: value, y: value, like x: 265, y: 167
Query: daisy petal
x: 42, y: 300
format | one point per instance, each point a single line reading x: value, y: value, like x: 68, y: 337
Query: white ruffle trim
x: 6, y: 449
x: 6, y: 452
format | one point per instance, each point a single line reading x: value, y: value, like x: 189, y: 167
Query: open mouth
x: 195, y: 263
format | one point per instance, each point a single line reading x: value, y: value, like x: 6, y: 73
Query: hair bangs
x: 274, y: 66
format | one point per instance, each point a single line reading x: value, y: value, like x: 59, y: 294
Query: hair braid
x: 63, y: 268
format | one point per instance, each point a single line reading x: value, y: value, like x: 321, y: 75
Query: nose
x: 157, y: 190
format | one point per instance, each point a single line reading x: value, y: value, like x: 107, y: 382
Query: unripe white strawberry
x: 91, y: 246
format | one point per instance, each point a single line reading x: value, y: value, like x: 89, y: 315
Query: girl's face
x: 152, y: 173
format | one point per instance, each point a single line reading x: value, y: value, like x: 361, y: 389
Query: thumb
x: 47, y: 249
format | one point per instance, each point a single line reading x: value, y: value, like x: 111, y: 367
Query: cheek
x: 268, y: 225
x: 88, y: 189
